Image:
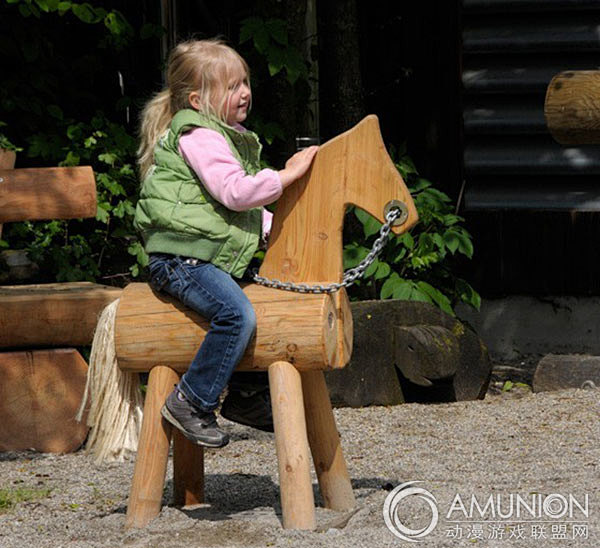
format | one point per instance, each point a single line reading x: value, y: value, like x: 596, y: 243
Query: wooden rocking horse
x: 298, y: 335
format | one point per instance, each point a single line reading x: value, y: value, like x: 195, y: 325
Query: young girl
x: 201, y: 217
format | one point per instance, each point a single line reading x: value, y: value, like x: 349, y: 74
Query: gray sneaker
x: 196, y: 425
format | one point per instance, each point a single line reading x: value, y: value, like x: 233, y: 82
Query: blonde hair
x: 204, y: 66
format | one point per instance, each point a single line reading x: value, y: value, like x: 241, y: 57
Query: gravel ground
x: 510, y: 443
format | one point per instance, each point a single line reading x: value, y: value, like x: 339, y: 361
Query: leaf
x: 275, y: 60
x: 465, y: 244
x: 451, y: 240
x: 55, y: 111
x: 404, y: 290
x: 108, y: 158
x: 72, y: 159
x: 437, y: 297
x: 102, y: 212
x: 371, y: 269
x: 508, y: 385
x: 24, y: 10
x: 407, y: 240
x: 261, y: 39
x: 353, y: 254
x: 419, y: 184
x: 43, y: 5
x: 387, y: 289
x: 277, y: 30
x: 84, y: 12
x: 370, y: 224
x: 383, y: 271
x: 467, y: 294
x: 249, y: 28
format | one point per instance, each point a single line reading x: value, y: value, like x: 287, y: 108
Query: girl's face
x: 238, y: 100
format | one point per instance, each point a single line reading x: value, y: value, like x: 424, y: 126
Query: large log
x: 47, y: 193
x: 302, y: 329
x: 40, y: 394
x: 572, y: 107
x: 62, y: 314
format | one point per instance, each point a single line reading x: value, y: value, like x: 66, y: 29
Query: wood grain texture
x: 325, y: 443
x: 188, y: 471
x: 40, y: 393
x: 572, y: 107
x: 354, y: 168
x: 291, y: 442
x: 153, y: 451
x: 152, y: 328
x: 60, y: 314
x: 47, y: 193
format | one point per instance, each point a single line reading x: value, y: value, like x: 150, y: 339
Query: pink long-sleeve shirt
x: 209, y: 155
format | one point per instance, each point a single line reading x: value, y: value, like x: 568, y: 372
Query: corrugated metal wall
x: 532, y: 205
x: 511, y: 51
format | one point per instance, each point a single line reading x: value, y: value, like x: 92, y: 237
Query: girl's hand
x: 297, y: 165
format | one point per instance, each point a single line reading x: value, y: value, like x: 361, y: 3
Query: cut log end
x: 40, y: 394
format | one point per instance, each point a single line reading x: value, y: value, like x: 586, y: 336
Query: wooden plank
x: 60, y: 314
x: 153, y: 329
x: 40, y: 393
x: 47, y: 193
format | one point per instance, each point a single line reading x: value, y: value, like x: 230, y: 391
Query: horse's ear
x: 372, y: 180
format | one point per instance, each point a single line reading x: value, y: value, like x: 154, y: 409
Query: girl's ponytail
x: 155, y: 120
x: 202, y: 66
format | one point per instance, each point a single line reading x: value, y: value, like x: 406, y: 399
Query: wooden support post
x: 153, y: 451
x: 325, y: 445
x: 188, y: 471
x: 297, y: 499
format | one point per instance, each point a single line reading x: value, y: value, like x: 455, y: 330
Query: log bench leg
x: 325, y: 445
x: 188, y: 471
x: 153, y: 451
x: 297, y: 500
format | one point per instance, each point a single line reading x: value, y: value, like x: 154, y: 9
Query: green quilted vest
x: 175, y: 213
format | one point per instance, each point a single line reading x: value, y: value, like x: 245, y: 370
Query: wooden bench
x: 41, y: 387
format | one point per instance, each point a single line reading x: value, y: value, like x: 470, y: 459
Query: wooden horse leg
x: 188, y: 471
x: 297, y: 500
x: 325, y: 446
x: 153, y: 451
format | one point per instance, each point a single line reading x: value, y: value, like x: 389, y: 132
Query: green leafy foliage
x: 270, y: 39
x: 69, y: 114
x: 419, y: 265
x: 80, y: 249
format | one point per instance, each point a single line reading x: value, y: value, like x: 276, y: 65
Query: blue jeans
x: 218, y: 298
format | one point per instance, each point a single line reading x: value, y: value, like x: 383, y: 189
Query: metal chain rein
x: 351, y: 275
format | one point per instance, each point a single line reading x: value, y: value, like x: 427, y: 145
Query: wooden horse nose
x: 298, y: 335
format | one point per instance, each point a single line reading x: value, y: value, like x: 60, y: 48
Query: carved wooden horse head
x: 354, y: 168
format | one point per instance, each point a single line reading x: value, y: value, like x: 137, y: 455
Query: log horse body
x: 298, y: 335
